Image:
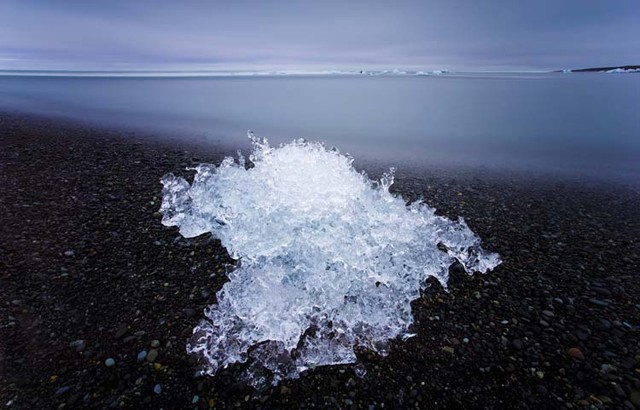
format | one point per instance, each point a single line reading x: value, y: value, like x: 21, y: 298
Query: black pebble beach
x: 98, y: 298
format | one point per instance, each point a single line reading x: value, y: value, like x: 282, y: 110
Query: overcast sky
x: 348, y: 34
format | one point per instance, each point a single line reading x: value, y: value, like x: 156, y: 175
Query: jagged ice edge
x: 330, y: 260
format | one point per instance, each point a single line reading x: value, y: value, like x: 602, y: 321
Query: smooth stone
x: 582, y: 335
x: 152, y: 355
x: 195, y: 399
x: 157, y: 389
x: 109, y: 362
x: 448, y: 349
x: 575, y: 353
x: 605, y: 399
x: 604, y: 324
x: 598, y: 302
x: 128, y: 339
x: 155, y: 343
x: 79, y: 345
x: 619, y: 391
x: 602, y: 291
x: 285, y: 390
x: 142, y: 355
x: 122, y: 330
x: 62, y: 390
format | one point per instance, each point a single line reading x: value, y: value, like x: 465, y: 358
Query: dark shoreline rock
x: 605, y: 69
x: 571, y: 256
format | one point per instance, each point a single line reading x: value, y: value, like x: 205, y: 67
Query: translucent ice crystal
x: 329, y: 259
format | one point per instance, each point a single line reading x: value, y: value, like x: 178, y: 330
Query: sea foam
x: 328, y: 259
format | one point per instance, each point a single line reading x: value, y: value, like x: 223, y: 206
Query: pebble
x: 582, y: 334
x: 602, y: 291
x: 598, y: 302
x: 448, y: 349
x: 122, y: 330
x: 142, y: 355
x: 541, y: 389
x: 152, y: 355
x: 605, y: 399
x: 128, y: 339
x: 109, y: 362
x: 619, y: 391
x: 62, y: 390
x: 575, y: 353
x: 604, y: 324
x: 157, y: 389
x: 284, y: 390
x: 155, y: 343
x: 79, y: 345
x: 195, y: 399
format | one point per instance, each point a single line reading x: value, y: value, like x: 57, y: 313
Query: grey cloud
x: 306, y: 34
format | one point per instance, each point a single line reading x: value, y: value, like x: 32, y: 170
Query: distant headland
x: 616, y: 69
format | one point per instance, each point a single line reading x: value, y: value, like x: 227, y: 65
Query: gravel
x: 88, y: 274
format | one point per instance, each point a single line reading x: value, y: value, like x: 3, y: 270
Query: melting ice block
x: 329, y: 259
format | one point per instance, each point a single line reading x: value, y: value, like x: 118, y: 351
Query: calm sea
x: 580, y: 124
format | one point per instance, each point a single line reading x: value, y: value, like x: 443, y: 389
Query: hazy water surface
x: 585, y: 124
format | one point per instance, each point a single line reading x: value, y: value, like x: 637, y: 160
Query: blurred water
x: 584, y: 124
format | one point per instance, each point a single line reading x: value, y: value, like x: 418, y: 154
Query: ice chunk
x: 434, y: 72
x: 330, y: 260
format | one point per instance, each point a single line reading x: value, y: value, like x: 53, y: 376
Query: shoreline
x: 89, y: 273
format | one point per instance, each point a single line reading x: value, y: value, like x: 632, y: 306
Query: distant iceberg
x: 327, y: 258
x: 434, y: 72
